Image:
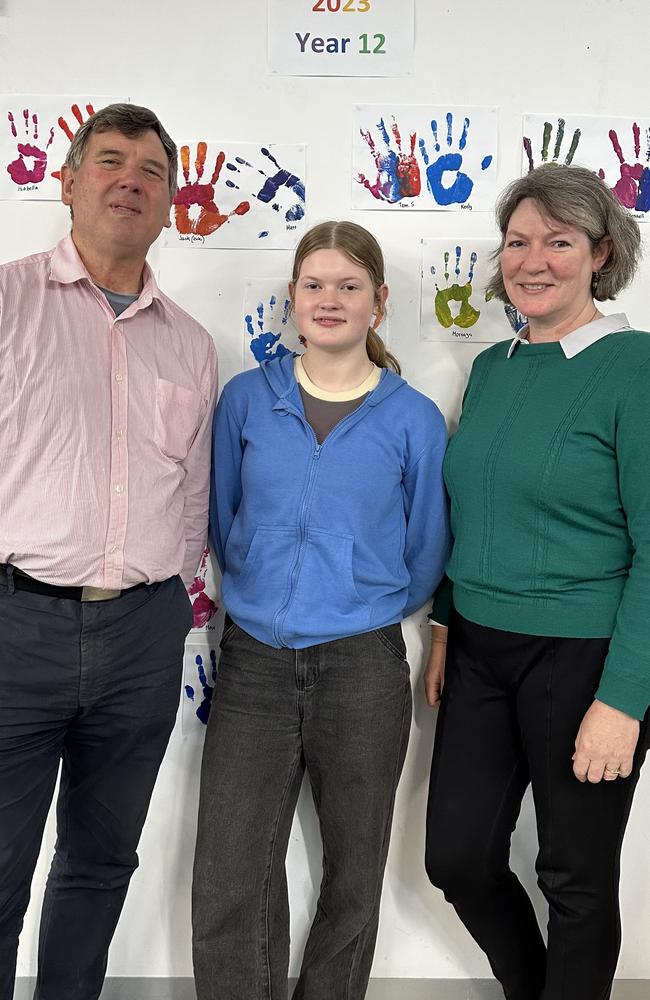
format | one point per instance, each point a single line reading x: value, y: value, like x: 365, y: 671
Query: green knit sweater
x: 549, y: 480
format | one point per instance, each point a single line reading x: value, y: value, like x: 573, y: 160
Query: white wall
x: 201, y: 66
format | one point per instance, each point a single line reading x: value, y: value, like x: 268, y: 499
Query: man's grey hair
x: 130, y: 120
x: 575, y: 196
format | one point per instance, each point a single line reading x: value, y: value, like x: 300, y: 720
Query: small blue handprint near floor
x: 206, y: 687
x: 447, y: 182
x: 268, y: 329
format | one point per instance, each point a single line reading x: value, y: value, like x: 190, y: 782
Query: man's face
x: 120, y: 194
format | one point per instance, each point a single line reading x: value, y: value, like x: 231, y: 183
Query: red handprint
x: 63, y: 125
x: 21, y: 171
x: 210, y: 218
x: 203, y: 607
x: 633, y: 187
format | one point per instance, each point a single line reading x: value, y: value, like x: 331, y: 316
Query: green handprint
x: 467, y: 315
x: 546, y: 141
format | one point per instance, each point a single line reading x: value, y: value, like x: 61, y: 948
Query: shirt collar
x: 578, y: 340
x: 66, y: 267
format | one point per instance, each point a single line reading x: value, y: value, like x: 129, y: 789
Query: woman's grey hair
x: 575, y: 196
x: 130, y: 120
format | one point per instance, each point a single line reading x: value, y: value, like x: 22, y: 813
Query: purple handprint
x: 273, y: 188
x: 31, y: 163
x: 633, y: 187
x: 398, y: 173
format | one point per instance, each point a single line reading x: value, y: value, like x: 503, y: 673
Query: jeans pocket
x: 390, y: 636
x: 229, y: 629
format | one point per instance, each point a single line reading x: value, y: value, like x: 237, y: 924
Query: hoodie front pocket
x: 326, y: 590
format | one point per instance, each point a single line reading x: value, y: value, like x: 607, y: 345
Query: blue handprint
x: 270, y: 193
x: 516, y: 319
x: 203, y: 710
x: 262, y: 343
x: 449, y: 162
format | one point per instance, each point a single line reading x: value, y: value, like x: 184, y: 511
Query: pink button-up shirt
x: 104, y: 428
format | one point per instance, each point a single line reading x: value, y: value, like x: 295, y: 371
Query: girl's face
x: 335, y: 302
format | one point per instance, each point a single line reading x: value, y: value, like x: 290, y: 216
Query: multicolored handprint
x: 68, y: 131
x: 398, y: 172
x: 466, y: 316
x: 195, y: 210
x: 633, y: 186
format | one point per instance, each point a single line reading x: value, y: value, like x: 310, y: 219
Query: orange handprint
x: 63, y: 125
x: 210, y: 218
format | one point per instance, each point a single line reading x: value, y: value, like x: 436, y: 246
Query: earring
x: 303, y: 340
x: 595, y: 278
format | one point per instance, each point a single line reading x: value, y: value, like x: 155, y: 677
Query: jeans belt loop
x: 11, y: 587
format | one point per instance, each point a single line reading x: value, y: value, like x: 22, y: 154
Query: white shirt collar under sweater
x: 581, y: 338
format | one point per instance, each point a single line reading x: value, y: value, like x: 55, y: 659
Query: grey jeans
x: 342, y: 711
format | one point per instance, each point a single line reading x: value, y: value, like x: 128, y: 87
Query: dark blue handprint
x: 458, y: 192
x: 207, y: 688
x: 262, y: 343
x: 273, y: 188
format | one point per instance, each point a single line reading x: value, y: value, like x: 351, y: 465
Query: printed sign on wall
x: 341, y: 37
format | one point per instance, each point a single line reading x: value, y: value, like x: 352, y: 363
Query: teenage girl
x: 329, y: 520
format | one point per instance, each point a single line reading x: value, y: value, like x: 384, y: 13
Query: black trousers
x: 511, y: 708
x: 97, y: 686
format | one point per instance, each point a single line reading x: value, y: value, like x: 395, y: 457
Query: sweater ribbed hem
x: 567, y: 617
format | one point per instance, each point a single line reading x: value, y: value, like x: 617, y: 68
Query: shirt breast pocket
x: 178, y: 415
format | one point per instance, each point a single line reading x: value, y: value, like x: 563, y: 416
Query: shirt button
x: 119, y: 378
x: 119, y: 489
x: 120, y: 433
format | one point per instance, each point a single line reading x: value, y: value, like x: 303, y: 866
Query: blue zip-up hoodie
x: 317, y: 542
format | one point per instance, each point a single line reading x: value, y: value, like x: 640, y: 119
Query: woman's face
x: 334, y: 301
x: 547, y: 266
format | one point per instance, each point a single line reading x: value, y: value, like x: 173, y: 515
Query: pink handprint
x: 633, y: 187
x: 203, y: 607
x: 31, y: 163
x: 210, y: 218
x: 63, y: 125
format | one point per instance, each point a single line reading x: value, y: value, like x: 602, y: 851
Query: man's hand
x: 605, y: 744
x: 434, y: 672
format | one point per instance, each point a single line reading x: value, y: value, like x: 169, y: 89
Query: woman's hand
x: 434, y: 672
x: 605, y: 744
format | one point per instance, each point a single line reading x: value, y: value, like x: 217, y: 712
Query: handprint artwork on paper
x: 274, y: 188
x: 456, y: 302
x: 547, y: 135
x: 427, y: 158
x: 203, y: 607
x: 466, y: 315
x: 68, y: 131
x: 30, y: 164
x: 633, y: 186
x: 195, y: 210
x: 265, y: 342
x: 398, y: 172
x: 206, y: 685
x: 446, y: 181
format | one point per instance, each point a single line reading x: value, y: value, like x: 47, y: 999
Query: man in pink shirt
x: 106, y: 396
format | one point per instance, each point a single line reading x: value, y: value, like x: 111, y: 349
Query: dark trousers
x: 95, y: 685
x: 342, y: 710
x: 511, y: 708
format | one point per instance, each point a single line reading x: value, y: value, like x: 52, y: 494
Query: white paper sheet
x: 618, y: 149
x: 424, y: 158
x: 35, y: 133
x: 239, y: 195
x: 454, y: 305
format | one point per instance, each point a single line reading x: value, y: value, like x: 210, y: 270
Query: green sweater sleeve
x: 625, y: 682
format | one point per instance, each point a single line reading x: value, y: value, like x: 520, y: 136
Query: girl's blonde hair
x: 363, y: 249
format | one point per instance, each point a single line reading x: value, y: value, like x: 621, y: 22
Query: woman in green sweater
x: 548, y: 664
